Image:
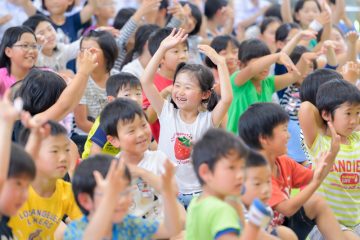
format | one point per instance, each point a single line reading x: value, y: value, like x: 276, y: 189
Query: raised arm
x: 352, y: 38
x: 301, y: 35
x: 88, y: 10
x: 72, y: 94
x: 286, y: 13
x: 310, y: 122
x: 225, y: 88
x: 147, y: 79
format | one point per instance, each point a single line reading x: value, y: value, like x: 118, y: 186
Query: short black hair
x: 196, y: 13
x: 21, y: 164
x: 296, y: 54
x: 207, y: 150
x: 107, y: 44
x: 122, y: 17
x: 274, y: 11
x: 252, y: 48
x: 118, y: 81
x: 211, y: 7
x: 266, y: 22
x: 334, y: 93
x: 258, y: 120
x: 84, y: 181
x: 157, y: 37
x: 121, y: 109
x: 255, y: 159
x: 283, y: 31
x: 220, y: 43
x: 312, y: 82
x: 56, y: 129
x: 33, y: 21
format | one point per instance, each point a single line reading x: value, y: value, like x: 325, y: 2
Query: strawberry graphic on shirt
x: 182, y: 148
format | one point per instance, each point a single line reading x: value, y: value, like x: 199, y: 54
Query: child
x: 122, y: 85
x: 50, y: 197
x: 104, y: 15
x: 253, y: 83
x: 264, y: 127
x: 192, y: 109
x: 107, y: 218
x: 268, y: 28
x: 164, y: 76
x: 257, y: 184
x: 53, y: 55
x: 337, y: 102
x: 94, y: 98
x: 18, y: 54
x: 127, y: 129
x: 219, y: 168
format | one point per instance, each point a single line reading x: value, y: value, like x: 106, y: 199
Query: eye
x: 67, y: 150
x: 54, y: 151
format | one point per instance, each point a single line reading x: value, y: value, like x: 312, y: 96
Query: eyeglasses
x: 28, y: 47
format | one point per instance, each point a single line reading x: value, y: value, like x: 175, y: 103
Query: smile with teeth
x: 181, y: 99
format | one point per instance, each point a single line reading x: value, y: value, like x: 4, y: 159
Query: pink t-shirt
x: 6, y: 80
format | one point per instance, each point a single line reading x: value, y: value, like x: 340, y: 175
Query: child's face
x: 308, y: 13
x: 134, y: 137
x: 346, y: 118
x: 47, y: 30
x: 186, y: 92
x: 23, y: 54
x: 107, y: 9
x: 14, y: 194
x: 263, y: 74
x: 269, y: 35
x: 57, y: 7
x: 123, y: 204
x: 95, y: 48
x: 134, y: 93
x: 336, y: 36
x: 257, y: 184
x: 174, y: 56
x: 54, y: 157
x: 277, y: 143
x: 231, y: 57
x: 190, y: 22
x: 227, y: 176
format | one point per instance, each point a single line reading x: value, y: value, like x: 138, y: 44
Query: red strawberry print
x: 182, y: 148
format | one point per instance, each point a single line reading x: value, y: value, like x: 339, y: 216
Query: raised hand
x: 352, y: 37
x: 307, y: 34
x: 285, y: 60
x: 10, y: 112
x: 335, y: 140
x: 87, y: 61
x: 148, y: 6
x: 212, y: 54
x: 174, y: 38
x: 167, y: 178
x: 351, y: 71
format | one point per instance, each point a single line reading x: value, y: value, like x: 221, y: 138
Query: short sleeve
x: 72, y: 209
x: 277, y: 196
x: 232, y: 80
x: 99, y: 137
x: 167, y: 110
x: 301, y: 175
x: 269, y: 82
x: 71, y: 50
x: 225, y: 220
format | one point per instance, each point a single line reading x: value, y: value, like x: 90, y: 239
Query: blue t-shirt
x: 131, y: 227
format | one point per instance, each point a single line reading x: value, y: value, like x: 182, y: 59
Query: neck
x: 169, y: 74
x: 58, y: 19
x: 102, y: 22
x: 271, y: 158
x: 48, y: 52
x: 256, y: 82
x: 189, y: 116
x: 44, y: 186
x: 100, y: 77
x: 132, y: 158
x: 144, y: 59
x: 212, y: 26
x: 208, y: 192
x: 18, y: 73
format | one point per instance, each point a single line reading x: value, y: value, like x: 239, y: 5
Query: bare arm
x: 352, y: 38
x: 72, y: 94
x: 81, y: 120
x: 303, y: 34
x: 88, y: 10
x: 286, y: 12
x: 5, y: 19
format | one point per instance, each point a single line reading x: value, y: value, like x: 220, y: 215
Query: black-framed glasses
x: 28, y: 47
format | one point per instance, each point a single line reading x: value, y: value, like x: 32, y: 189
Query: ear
x: 8, y: 52
x: 113, y: 140
x: 296, y: 16
x: 110, y: 98
x: 85, y: 201
x: 241, y: 65
x: 326, y: 116
x: 206, y: 95
x: 204, y: 172
x: 279, y: 44
x: 264, y: 141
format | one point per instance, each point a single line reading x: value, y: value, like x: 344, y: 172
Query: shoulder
x: 139, y: 226
x: 75, y: 229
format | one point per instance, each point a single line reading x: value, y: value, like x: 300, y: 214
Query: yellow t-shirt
x: 39, y: 217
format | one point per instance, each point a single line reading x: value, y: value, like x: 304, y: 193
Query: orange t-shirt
x: 291, y: 175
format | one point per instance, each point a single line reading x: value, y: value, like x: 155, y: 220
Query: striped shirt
x: 341, y: 187
x: 290, y: 102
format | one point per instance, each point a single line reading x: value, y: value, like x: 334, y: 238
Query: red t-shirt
x: 160, y: 83
x: 291, y: 175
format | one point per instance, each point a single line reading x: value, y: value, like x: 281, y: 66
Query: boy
x: 257, y: 184
x: 121, y: 85
x: 126, y: 127
x: 93, y: 197
x: 219, y: 168
x: 264, y: 127
x: 50, y: 197
x: 252, y: 83
x: 165, y: 76
x: 338, y: 102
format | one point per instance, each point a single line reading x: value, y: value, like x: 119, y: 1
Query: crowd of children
x: 179, y: 119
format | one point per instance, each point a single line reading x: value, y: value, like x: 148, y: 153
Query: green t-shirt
x: 246, y: 95
x: 209, y: 218
x: 107, y: 148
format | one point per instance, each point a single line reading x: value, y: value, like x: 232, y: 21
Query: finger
x: 111, y: 170
x: 98, y: 177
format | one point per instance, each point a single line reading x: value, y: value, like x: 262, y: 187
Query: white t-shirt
x: 17, y: 12
x: 146, y: 201
x: 63, y: 54
x: 134, y: 67
x: 175, y: 138
x: 245, y: 9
